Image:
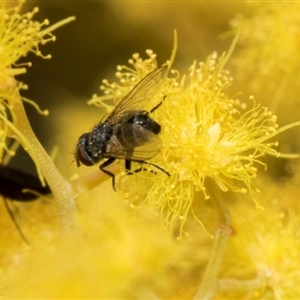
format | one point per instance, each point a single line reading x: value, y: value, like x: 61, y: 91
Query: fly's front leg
x: 112, y: 175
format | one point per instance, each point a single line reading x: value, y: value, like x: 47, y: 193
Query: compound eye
x: 83, y: 157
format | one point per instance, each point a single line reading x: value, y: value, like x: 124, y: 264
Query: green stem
x: 208, y: 286
x: 61, y: 189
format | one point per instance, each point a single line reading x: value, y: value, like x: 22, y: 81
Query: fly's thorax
x: 98, y: 139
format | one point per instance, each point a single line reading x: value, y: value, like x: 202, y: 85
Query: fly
x: 127, y: 133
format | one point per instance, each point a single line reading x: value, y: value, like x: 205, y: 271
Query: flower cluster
x: 266, y: 260
x: 19, y: 34
x: 205, y: 133
x: 270, y: 47
x: 206, y: 136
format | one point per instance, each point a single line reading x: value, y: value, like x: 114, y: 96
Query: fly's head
x: 82, y: 153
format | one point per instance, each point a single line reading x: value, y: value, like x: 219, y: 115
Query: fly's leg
x: 112, y: 175
x: 161, y: 169
x: 157, y: 106
x: 128, y: 165
x: 129, y: 172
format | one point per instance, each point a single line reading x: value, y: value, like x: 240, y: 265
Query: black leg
x: 128, y: 165
x: 106, y: 164
x: 129, y: 172
x: 128, y: 168
x: 159, y: 168
x: 157, y: 106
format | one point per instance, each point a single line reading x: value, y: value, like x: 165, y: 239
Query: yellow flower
x: 205, y: 133
x: 269, y: 56
x: 19, y: 34
x: 266, y: 247
x: 110, y: 255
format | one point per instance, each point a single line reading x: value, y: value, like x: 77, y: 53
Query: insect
x: 127, y: 133
x: 12, y: 184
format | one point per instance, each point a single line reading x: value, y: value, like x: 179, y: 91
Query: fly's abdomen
x: 139, y: 130
x: 145, y: 121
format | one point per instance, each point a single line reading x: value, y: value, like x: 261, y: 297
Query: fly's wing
x: 138, y: 144
x: 140, y: 95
